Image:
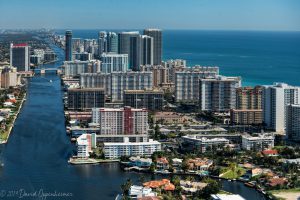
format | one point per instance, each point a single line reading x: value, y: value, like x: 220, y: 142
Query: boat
x: 249, y: 184
x: 50, y: 81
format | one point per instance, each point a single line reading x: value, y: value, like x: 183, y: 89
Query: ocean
x: 259, y: 57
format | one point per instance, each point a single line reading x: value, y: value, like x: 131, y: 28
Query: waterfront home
x: 8, y: 104
x: 11, y: 100
x: 5, y: 112
x: 137, y: 192
x: 192, y: 187
x: 1, y: 119
x: 247, y: 166
x: 270, y: 152
x: 11, y: 96
x: 140, y: 162
x: 164, y: 184
x: 176, y: 162
x: 276, y: 181
x: 162, y: 164
x: 256, y: 171
x: 199, y: 164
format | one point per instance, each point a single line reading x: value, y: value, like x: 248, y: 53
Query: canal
x: 35, y: 157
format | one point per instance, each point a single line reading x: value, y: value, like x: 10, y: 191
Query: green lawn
x: 233, y: 174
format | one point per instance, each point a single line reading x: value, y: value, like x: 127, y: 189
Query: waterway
x: 35, y: 157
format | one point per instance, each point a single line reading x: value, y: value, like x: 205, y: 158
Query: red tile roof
x: 164, y: 183
x: 20, y: 45
x: 162, y: 160
x: 277, y: 181
x: 270, y: 152
x: 148, y: 198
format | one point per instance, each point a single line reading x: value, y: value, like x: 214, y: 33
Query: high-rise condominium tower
x: 19, y: 56
x: 157, y: 44
x: 68, y: 50
x: 102, y: 43
x: 112, y: 42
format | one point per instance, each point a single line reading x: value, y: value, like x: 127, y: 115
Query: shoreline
x: 14, y: 119
x: 260, y: 191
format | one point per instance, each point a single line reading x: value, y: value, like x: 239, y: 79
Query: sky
x: 283, y: 15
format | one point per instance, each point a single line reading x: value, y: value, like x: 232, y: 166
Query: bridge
x: 44, y: 70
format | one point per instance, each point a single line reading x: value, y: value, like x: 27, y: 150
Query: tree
x: 185, y: 165
x: 126, y: 187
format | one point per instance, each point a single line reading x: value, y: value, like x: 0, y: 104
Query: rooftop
x: 164, y: 183
x: 227, y: 197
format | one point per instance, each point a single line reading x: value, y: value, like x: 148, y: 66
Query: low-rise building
x: 170, y: 118
x: 258, y: 143
x: 202, y: 143
x: 116, y: 150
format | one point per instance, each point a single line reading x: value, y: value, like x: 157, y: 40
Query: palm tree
x: 125, y: 187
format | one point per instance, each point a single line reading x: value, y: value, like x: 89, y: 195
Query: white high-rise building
x: 130, y: 80
x: 113, y: 62
x: 75, y: 68
x: 275, y: 99
x: 96, y: 80
x: 187, y: 82
x: 118, y: 121
x: 116, y: 83
x: 293, y: 122
x: 219, y: 93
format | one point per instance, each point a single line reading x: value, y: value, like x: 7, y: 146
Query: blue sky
x: 166, y: 14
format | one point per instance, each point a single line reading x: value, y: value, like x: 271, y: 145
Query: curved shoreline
x: 199, y: 176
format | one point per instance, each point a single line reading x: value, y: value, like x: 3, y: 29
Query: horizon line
x: 166, y: 29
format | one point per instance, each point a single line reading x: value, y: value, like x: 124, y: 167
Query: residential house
x: 164, y: 184
x: 140, y: 162
x: 162, y: 164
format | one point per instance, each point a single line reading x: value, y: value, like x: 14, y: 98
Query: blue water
x: 259, y: 57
